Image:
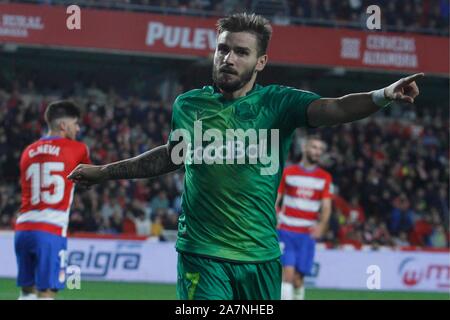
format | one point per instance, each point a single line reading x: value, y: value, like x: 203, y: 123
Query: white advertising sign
x: 149, y: 261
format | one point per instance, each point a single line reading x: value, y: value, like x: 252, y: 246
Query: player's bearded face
x: 235, y: 60
x: 314, y: 151
x: 312, y: 158
x: 230, y: 80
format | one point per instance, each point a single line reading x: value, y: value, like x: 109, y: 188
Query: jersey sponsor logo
x: 304, y: 193
x: 238, y: 147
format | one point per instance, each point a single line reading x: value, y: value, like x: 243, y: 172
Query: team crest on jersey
x: 245, y: 111
x: 305, y: 193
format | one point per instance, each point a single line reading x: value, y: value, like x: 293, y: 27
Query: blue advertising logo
x: 99, y: 263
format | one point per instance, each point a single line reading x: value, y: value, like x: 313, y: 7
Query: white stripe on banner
x: 302, y: 204
x: 306, y: 182
x: 56, y: 217
x: 295, y: 222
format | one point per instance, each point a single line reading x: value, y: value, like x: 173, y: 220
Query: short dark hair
x: 253, y: 23
x: 60, y: 109
x: 313, y: 137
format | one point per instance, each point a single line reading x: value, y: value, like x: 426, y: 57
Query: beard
x: 222, y: 79
x: 312, y: 160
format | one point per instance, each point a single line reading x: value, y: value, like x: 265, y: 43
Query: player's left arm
x: 325, y: 213
x: 280, y: 192
x: 278, y: 202
x: 356, y: 106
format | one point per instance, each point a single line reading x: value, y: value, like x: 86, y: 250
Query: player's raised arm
x: 356, y: 106
x: 149, y: 164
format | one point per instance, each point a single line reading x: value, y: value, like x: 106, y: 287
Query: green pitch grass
x: 91, y: 290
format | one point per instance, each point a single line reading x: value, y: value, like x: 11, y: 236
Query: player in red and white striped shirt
x: 304, y: 215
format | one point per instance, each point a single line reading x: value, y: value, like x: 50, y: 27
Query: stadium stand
x: 429, y: 16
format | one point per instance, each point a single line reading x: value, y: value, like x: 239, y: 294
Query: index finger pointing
x: 72, y: 175
x: 413, y: 77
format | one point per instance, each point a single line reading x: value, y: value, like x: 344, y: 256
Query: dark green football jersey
x: 235, y: 158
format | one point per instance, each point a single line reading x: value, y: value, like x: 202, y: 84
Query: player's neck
x: 55, y: 134
x: 307, y: 165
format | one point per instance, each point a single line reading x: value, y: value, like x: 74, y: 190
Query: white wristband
x: 379, y: 99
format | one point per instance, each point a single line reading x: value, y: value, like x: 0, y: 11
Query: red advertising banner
x: 145, y: 33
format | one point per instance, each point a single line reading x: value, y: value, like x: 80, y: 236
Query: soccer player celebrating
x: 40, y: 239
x: 227, y: 238
x: 305, y: 191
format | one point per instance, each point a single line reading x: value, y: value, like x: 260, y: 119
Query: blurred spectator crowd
x: 390, y: 176
x: 428, y: 16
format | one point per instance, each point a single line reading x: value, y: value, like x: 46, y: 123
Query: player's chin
x: 228, y: 85
x: 228, y: 77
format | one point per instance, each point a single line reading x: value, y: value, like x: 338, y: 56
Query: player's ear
x: 62, y: 125
x: 303, y: 146
x: 261, y: 62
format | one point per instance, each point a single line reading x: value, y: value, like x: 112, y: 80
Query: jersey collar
x: 215, y: 90
x: 307, y: 169
x: 45, y: 138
